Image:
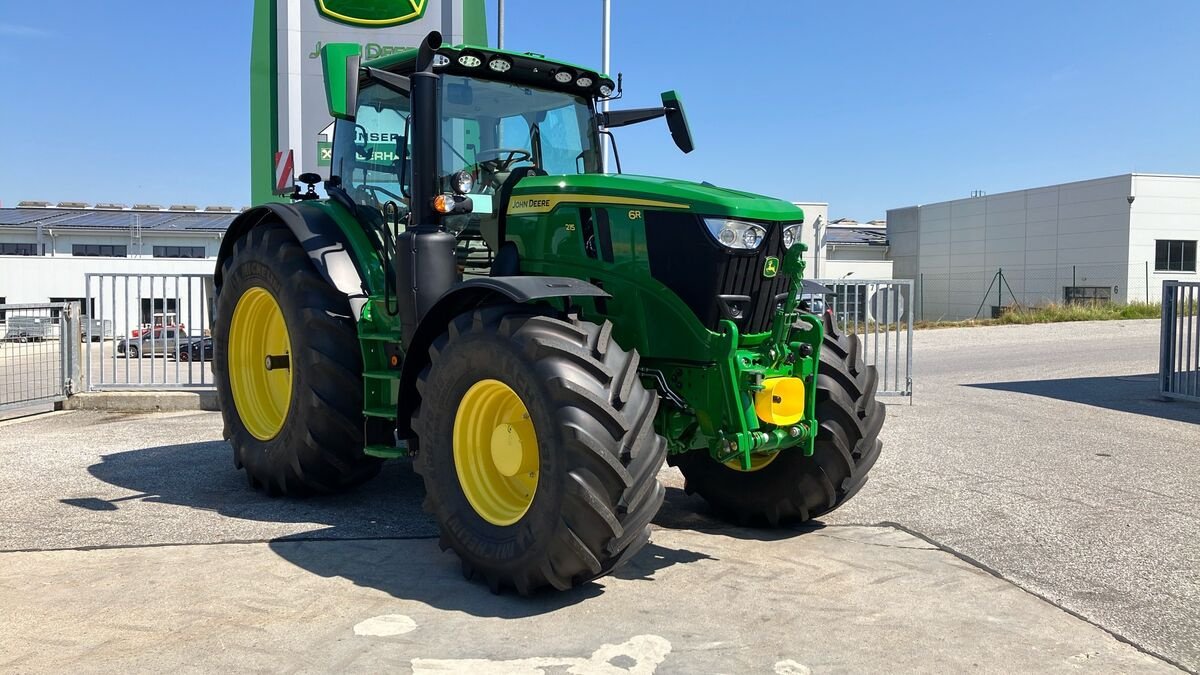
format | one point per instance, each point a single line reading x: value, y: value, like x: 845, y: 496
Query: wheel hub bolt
x: 279, y: 362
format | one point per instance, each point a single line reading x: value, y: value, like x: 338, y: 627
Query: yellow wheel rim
x: 260, y: 379
x: 496, y: 452
x: 756, y: 462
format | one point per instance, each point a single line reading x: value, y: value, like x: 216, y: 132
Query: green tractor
x: 536, y: 335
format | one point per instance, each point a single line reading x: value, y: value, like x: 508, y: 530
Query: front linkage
x: 759, y: 400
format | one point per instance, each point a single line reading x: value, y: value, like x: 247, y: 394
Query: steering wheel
x: 362, y: 193
x: 376, y: 188
x: 493, y: 171
x: 502, y: 158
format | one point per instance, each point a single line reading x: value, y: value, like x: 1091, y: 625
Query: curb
x: 143, y: 401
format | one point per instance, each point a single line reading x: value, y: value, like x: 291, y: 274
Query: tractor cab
x: 497, y: 117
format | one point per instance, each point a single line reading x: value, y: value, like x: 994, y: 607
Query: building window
x: 178, y: 251
x: 102, y: 250
x: 18, y: 249
x: 1087, y: 295
x: 2, y: 301
x: 1174, y: 255
x: 79, y: 306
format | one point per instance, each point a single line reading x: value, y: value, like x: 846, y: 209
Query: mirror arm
x: 621, y: 118
x: 397, y: 83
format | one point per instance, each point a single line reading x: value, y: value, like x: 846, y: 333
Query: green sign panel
x: 373, y: 13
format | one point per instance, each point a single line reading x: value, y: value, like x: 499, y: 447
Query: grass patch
x: 1057, y: 314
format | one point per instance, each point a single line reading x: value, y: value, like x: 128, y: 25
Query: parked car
x: 199, y: 349
x: 161, y: 341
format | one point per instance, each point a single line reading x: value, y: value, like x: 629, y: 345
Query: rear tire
x: 319, y: 447
x: 597, y: 455
x: 792, y: 487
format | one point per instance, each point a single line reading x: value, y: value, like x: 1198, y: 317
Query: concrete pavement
x: 842, y: 599
x: 1039, y: 452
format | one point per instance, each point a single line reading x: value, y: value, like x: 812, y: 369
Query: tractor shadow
x: 1136, y: 394
x: 681, y: 511
x: 376, y: 536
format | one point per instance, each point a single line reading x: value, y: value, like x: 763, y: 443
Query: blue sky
x: 867, y: 105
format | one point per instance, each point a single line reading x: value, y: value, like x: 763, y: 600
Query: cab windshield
x: 490, y: 128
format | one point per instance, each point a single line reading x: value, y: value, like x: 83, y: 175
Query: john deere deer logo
x: 373, y: 13
x: 771, y: 267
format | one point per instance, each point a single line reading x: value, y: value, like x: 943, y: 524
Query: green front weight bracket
x: 792, y: 350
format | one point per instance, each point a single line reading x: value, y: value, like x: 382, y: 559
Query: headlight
x: 736, y: 234
x: 791, y: 234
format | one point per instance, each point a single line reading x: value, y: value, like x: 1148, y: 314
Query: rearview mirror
x: 677, y: 122
x: 340, y: 62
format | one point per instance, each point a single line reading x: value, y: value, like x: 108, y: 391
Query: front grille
x: 744, y: 276
x: 715, y: 282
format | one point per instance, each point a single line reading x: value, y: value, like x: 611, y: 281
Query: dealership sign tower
x: 290, y: 127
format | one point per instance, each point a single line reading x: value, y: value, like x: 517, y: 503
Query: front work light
x: 736, y: 234
x: 584, y: 81
x: 500, y: 64
x: 470, y: 61
x: 462, y: 182
x: 563, y: 76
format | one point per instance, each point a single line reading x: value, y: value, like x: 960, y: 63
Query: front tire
x: 790, y: 487
x: 288, y: 370
x: 562, y: 487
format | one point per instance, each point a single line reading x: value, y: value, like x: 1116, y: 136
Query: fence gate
x: 1179, y: 347
x: 880, y: 314
x: 38, y: 353
x: 148, y: 331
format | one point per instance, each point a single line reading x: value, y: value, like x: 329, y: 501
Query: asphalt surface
x: 1045, y: 453
x: 1039, y: 452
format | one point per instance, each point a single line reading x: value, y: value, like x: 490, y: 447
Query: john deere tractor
x: 538, y: 336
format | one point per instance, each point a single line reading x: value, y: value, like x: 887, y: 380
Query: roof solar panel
x: 101, y: 219
x: 22, y: 216
x: 202, y: 222
x: 158, y: 220
x: 116, y: 220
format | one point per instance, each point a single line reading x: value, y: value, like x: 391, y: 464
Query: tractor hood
x: 648, y: 192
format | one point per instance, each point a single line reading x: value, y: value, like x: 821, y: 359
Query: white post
x: 500, y: 24
x: 604, y: 58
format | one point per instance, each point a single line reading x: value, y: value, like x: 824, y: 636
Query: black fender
x: 319, y: 235
x: 464, y: 297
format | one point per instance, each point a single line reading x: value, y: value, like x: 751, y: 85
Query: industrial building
x: 1108, y: 239
x: 844, y: 248
x: 47, y: 250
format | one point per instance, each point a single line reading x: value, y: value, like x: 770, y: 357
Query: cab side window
x: 367, y: 151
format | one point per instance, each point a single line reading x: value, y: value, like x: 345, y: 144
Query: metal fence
x: 880, y: 313
x: 39, y: 353
x: 1179, y: 349
x: 149, y: 331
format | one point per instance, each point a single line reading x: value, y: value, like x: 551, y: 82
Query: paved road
x: 1038, y: 451
x: 1044, y: 453
x: 843, y: 599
